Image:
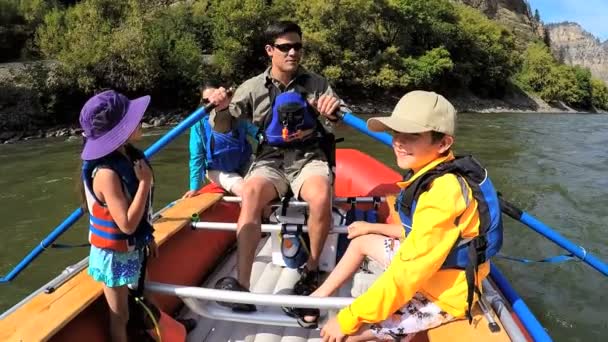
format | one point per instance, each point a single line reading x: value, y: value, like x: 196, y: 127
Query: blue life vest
x: 226, y: 152
x: 291, y: 120
x: 103, y: 231
x: 470, y: 253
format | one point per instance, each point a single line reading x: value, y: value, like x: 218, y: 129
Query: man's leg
x: 316, y: 191
x: 262, y: 184
x: 257, y: 192
x: 313, y: 185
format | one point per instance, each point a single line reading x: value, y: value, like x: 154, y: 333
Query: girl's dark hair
x: 277, y: 29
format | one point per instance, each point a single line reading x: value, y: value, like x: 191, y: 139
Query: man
x: 288, y: 157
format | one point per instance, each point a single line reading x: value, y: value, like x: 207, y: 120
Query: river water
x: 555, y: 166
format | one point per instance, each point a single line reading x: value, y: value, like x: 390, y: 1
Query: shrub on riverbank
x: 160, y: 47
x: 135, y: 46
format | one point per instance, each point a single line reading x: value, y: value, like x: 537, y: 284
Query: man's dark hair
x: 277, y: 29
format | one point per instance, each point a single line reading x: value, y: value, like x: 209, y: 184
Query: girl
x: 118, y: 184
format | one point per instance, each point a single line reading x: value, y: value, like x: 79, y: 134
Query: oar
x: 196, y: 116
x: 506, y: 207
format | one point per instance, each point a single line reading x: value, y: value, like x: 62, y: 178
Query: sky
x: 592, y: 15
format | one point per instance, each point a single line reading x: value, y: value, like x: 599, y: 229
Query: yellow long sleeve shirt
x: 440, y: 218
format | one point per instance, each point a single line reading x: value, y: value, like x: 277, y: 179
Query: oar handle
x: 180, y: 128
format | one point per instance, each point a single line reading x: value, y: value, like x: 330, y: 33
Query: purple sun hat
x: 108, y: 119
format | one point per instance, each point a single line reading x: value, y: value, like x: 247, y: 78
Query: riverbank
x: 365, y: 105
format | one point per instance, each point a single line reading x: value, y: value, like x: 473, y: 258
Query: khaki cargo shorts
x: 290, y: 169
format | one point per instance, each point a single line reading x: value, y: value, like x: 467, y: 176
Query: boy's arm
x: 419, y: 257
x: 197, y: 156
x: 387, y: 229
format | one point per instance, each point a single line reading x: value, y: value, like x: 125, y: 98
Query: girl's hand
x: 142, y: 171
x: 358, y: 228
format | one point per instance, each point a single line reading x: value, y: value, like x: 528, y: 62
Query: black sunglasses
x: 287, y: 47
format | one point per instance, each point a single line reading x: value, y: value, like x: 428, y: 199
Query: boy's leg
x: 419, y: 314
x: 117, y: 298
x: 229, y: 181
x: 370, y: 245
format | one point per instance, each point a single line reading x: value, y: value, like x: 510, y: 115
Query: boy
x: 418, y: 290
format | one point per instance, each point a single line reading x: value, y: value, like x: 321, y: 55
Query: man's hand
x: 220, y: 97
x: 331, y: 332
x: 327, y: 106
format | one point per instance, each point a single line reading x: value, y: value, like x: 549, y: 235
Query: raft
x: 71, y: 307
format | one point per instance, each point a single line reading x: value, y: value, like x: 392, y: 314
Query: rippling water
x: 555, y: 166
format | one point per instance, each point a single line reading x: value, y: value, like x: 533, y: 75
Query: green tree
x: 238, y: 37
x: 127, y: 45
x: 599, y: 94
x: 485, y: 56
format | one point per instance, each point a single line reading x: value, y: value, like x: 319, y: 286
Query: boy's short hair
x: 417, y: 112
x: 277, y: 29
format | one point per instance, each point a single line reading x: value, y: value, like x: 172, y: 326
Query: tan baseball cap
x: 418, y: 111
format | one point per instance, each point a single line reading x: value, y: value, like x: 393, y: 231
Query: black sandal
x: 309, y: 281
x: 231, y: 284
x: 300, y: 313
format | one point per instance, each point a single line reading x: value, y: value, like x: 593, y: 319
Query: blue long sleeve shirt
x: 198, y: 154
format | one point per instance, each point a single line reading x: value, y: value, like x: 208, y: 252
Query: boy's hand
x: 358, y: 228
x: 190, y: 193
x: 331, y: 332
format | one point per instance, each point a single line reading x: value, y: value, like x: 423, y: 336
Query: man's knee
x: 257, y: 192
x: 317, y: 192
x: 251, y: 189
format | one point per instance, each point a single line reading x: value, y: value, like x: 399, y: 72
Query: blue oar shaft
x: 73, y: 218
x: 197, y: 115
x: 566, y: 244
x: 60, y: 229
x: 361, y: 126
x: 527, y: 318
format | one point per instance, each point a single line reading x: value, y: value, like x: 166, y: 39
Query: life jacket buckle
x: 480, y: 244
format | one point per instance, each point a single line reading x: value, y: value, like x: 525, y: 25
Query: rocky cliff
x: 514, y: 14
x: 573, y: 45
